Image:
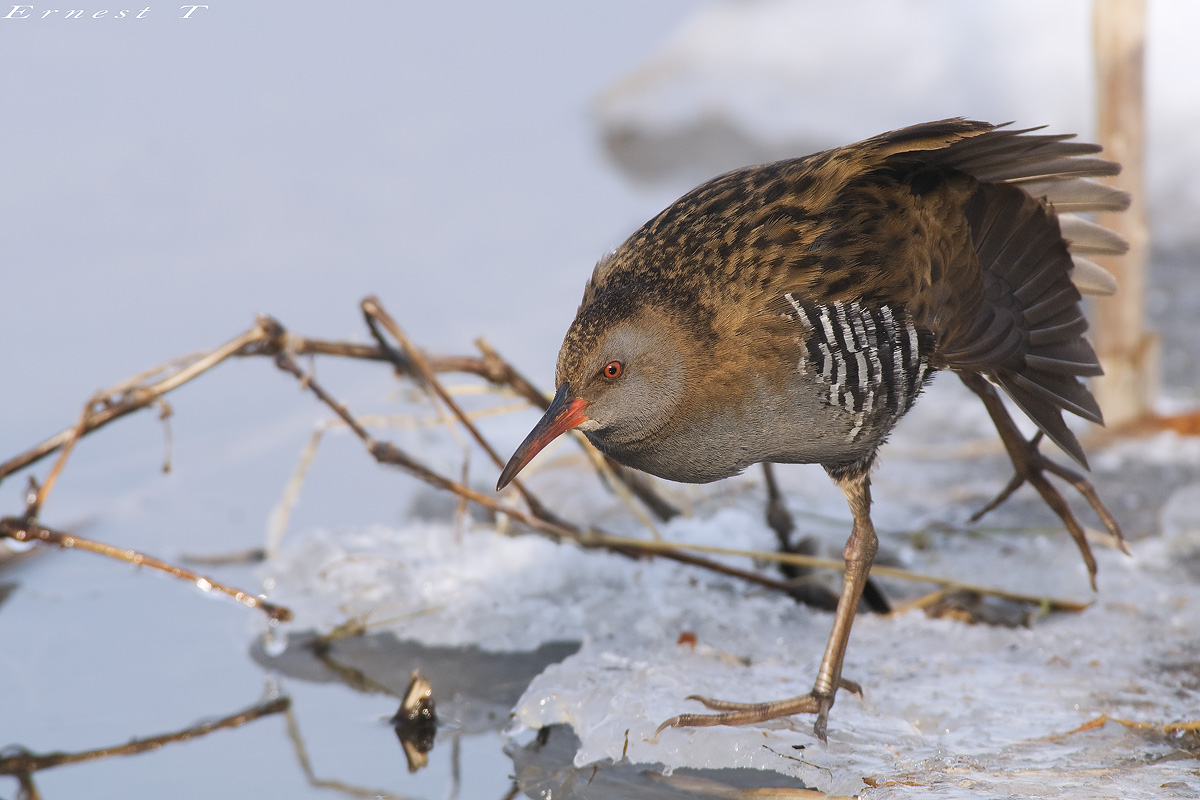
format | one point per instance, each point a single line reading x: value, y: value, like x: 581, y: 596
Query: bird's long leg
x: 859, y: 553
x: 1030, y: 465
x: 777, y: 514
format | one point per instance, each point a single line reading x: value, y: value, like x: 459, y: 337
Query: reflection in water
x: 22, y: 764
x: 344, y: 787
x: 416, y: 722
x: 545, y: 771
x: 476, y: 689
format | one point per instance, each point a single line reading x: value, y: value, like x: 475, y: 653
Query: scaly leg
x: 1030, y: 465
x: 859, y: 553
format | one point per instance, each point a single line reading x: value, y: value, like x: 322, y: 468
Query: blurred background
x: 164, y: 179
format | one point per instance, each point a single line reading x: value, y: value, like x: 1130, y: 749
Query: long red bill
x: 564, y: 413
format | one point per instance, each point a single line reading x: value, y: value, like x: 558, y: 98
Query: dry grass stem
x: 23, y: 530
x: 24, y: 763
x: 877, y: 570
x: 133, y: 394
x: 374, y: 313
x: 282, y: 512
x: 280, y: 515
x: 73, y: 436
x: 1166, y: 728
x: 357, y: 626
x: 297, y: 738
x: 922, y: 602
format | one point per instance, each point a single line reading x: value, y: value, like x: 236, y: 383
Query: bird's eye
x: 613, y: 369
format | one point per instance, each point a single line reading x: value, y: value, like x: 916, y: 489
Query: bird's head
x: 621, y: 375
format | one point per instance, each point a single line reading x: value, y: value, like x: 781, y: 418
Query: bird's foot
x: 750, y: 713
x: 1031, y: 465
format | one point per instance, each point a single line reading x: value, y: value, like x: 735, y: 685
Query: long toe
x: 1031, y: 465
x: 744, y: 713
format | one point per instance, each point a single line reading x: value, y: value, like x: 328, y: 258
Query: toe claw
x: 821, y: 727
x: 673, y: 722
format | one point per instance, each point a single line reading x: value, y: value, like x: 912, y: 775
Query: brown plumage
x: 792, y: 312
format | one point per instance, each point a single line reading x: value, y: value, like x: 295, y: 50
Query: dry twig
x: 25, y: 763
x: 375, y: 313
x: 25, y: 530
x: 1192, y: 726
x: 293, y: 729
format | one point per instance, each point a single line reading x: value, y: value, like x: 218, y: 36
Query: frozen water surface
x: 950, y: 709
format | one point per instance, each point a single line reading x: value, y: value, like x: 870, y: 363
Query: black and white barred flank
x: 873, y: 359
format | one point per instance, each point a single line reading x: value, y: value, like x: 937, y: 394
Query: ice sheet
x: 950, y: 709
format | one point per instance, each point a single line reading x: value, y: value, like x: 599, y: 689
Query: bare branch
x: 25, y: 763
x: 25, y: 530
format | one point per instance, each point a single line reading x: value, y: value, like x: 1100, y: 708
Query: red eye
x: 613, y: 369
